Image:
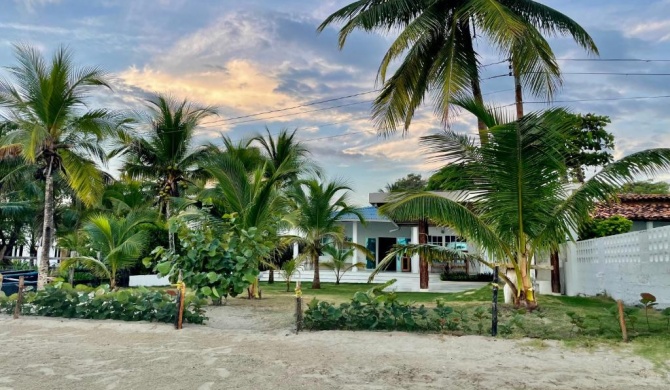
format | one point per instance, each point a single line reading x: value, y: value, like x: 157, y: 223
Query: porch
x: 405, y: 282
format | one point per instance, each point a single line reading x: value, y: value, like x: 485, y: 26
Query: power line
x: 615, y: 73
x: 612, y: 60
x: 592, y: 100
x: 294, y: 107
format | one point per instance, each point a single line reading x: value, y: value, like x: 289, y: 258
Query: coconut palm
x: 439, y: 59
x: 288, y: 155
x: 320, y: 206
x: 117, y: 241
x: 340, y: 260
x: 48, y: 103
x: 518, y: 203
x: 167, y: 153
x: 288, y: 269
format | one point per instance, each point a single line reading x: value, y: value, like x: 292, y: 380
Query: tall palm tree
x: 166, y: 152
x: 54, y: 128
x: 118, y: 241
x: 286, y: 154
x: 518, y: 205
x: 320, y: 206
x: 439, y: 58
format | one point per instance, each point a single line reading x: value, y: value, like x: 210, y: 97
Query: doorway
x: 385, y: 246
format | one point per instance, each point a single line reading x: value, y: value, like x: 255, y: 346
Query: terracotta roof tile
x: 645, y: 207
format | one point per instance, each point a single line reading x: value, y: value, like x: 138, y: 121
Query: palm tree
x: 320, y: 206
x: 288, y: 269
x: 166, y: 153
x: 436, y: 41
x: 519, y: 205
x: 288, y: 155
x: 339, y: 262
x: 117, y: 241
x: 54, y: 128
x: 253, y: 198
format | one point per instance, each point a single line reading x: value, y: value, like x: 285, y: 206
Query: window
x: 436, y: 240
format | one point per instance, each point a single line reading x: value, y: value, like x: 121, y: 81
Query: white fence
x: 622, y: 266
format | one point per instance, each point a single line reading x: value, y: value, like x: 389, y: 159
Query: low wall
x: 147, y: 281
x: 622, y: 266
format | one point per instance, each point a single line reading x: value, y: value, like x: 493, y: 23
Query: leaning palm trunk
x: 47, y: 232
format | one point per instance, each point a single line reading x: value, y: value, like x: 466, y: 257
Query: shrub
x: 141, y: 304
x: 379, y: 310
x: 217, y: 260
x: 595, y: 228
x: 463, y: 277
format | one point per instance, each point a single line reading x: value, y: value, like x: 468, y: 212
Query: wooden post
x: 19, y: 299
x: 494, y: 303
x: 298, y: 307
x: 622, y: 321
x: 182, y: 293
x: 423, y: 264
x: 555, y: 273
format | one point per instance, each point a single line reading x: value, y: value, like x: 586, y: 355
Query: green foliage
x: 217, y: 258
x: 411, y: 182
x: 141, y: 304
x: 648, y: 301
x: 379, y: 310
x: 646, y: 187
x: 588, y: 144
x: 462, y: 276
x: 594, y: 228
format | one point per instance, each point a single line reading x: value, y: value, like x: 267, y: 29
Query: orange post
x: 622, y: 321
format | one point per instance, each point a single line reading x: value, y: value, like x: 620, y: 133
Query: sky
x: 253, y: 56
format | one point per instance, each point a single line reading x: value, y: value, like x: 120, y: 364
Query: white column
x: 415, y: 258
x: 296, y: 250
x: 650, y: 225
x: 354, y: 239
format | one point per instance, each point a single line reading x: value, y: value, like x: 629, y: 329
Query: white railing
x: 622, y: 266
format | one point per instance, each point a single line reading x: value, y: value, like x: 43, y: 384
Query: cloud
x: 31, y: 5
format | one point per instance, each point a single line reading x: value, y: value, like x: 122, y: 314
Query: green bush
x: 141, y: 304
x: 463, y: 277
x: 595, y: 228
x: 378, y: 310
x: 217, y: 260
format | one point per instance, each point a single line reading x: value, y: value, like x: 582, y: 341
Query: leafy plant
x: 480, y: 314
x: 62, y: 300
x: 288, y: 269
x: 119, y: 241
x: 648, y: 301
x: 217, y: 258
x: 339, y: 262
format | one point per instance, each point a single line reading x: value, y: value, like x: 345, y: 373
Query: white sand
x: 253, y: 348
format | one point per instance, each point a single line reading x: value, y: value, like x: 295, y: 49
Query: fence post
x: 494, y: 303
x: 298, y: 307
x: 182, y: 292
x: 19, y: 299
x: 622, y: 321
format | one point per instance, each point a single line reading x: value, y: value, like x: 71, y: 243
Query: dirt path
x: 253, y: 348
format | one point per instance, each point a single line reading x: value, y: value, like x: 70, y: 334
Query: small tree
x: 117, y: 241
x: 288, y: 269
x: 411, y: 182
x: 339, y: 262
x: 217, y: 257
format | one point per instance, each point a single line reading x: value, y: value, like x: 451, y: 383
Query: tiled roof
x: 651, y: 207
x: 369, y: 213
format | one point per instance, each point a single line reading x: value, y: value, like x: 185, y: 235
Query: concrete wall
x: 147, y: 281
x: 622, y: 266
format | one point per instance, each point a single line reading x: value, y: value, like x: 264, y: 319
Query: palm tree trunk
x: 47, y: 232
x: 271, y: 276
x: 518, y: 92
x: 526, y: 285
x: 423, y: 264
x: 316, y: 282
x: 474, y: 80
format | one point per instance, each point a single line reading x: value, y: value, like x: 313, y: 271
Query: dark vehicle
x: 10, y: 280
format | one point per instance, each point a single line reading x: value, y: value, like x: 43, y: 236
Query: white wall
x: 623, y: 266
